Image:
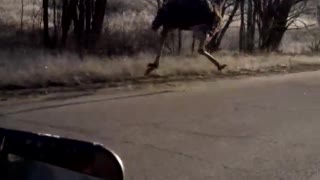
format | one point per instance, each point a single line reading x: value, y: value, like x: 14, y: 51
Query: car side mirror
x: 25, y: 155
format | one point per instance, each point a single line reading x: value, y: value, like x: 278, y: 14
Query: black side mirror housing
x: 33, y: 154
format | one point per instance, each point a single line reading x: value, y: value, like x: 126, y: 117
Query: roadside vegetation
x: 65, y: 43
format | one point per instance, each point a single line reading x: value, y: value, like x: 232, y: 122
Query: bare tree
x: 230, y: 7
x: 242, y: 32
x: 55, y: 25
x: 247, y: 26
x: 45, y: 7
x: 87, y: 17
x: 273, y: 19
x: 88, y: 12
x: 21, y: 15
x: 251, y: 21
x: 81, y: 18
x: 179, y: 41
x: 34, y: 15
x: 98, y: 17
x: 65, y: 21
x: 318, y: 14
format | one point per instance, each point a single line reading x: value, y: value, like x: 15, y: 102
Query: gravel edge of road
x: 136, y: 83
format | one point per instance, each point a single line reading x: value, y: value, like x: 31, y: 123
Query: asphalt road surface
x: 260, y: 128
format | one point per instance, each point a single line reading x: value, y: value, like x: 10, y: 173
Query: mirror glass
x: 19, y: 168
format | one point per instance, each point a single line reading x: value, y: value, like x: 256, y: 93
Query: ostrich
x: 200, y: 16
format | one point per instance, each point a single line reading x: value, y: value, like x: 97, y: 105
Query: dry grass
x: 126, y: 32
x: 41, y: 69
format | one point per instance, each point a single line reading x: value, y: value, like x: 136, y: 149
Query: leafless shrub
x: 314, y: 45
x: 119, y: 6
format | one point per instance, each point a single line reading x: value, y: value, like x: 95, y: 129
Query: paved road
x: 260, y: 128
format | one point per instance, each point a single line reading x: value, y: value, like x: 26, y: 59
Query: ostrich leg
x: 204, y: 40
x: 155, y: 64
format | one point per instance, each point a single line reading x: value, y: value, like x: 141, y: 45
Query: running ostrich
x: 200, y: 16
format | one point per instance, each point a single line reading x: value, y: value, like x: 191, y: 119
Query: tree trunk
x: 97, y: 21
x: 88, y: 16
x: 81, y: 18
x: 193, y: 43
x: 55, y: 31
x: 88, y: 22
x: 33, y: 14
x: 179, y: 41
x: 274, y: 29
x: 46, y: 23
x: 65, y: 22
x: 242, y: 27
x: 273, y: 37
x: 98, y: 17
x: 318, y: 13
x: 250, y: 27
x: 59, y: 14
x: 92, y: 8
x: 22, y: 14
x: 54, y: 15
x: 72, y: 9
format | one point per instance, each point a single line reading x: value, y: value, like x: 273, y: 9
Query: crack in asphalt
x: 85, y: 102
x: 273, y: 107
x: 191, y: 132
x: 201, y: 134
x: 306, y: 173
x: 177, y: 153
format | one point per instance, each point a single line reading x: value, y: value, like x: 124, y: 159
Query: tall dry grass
x: 41, y: 69
x: 123, y: 51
